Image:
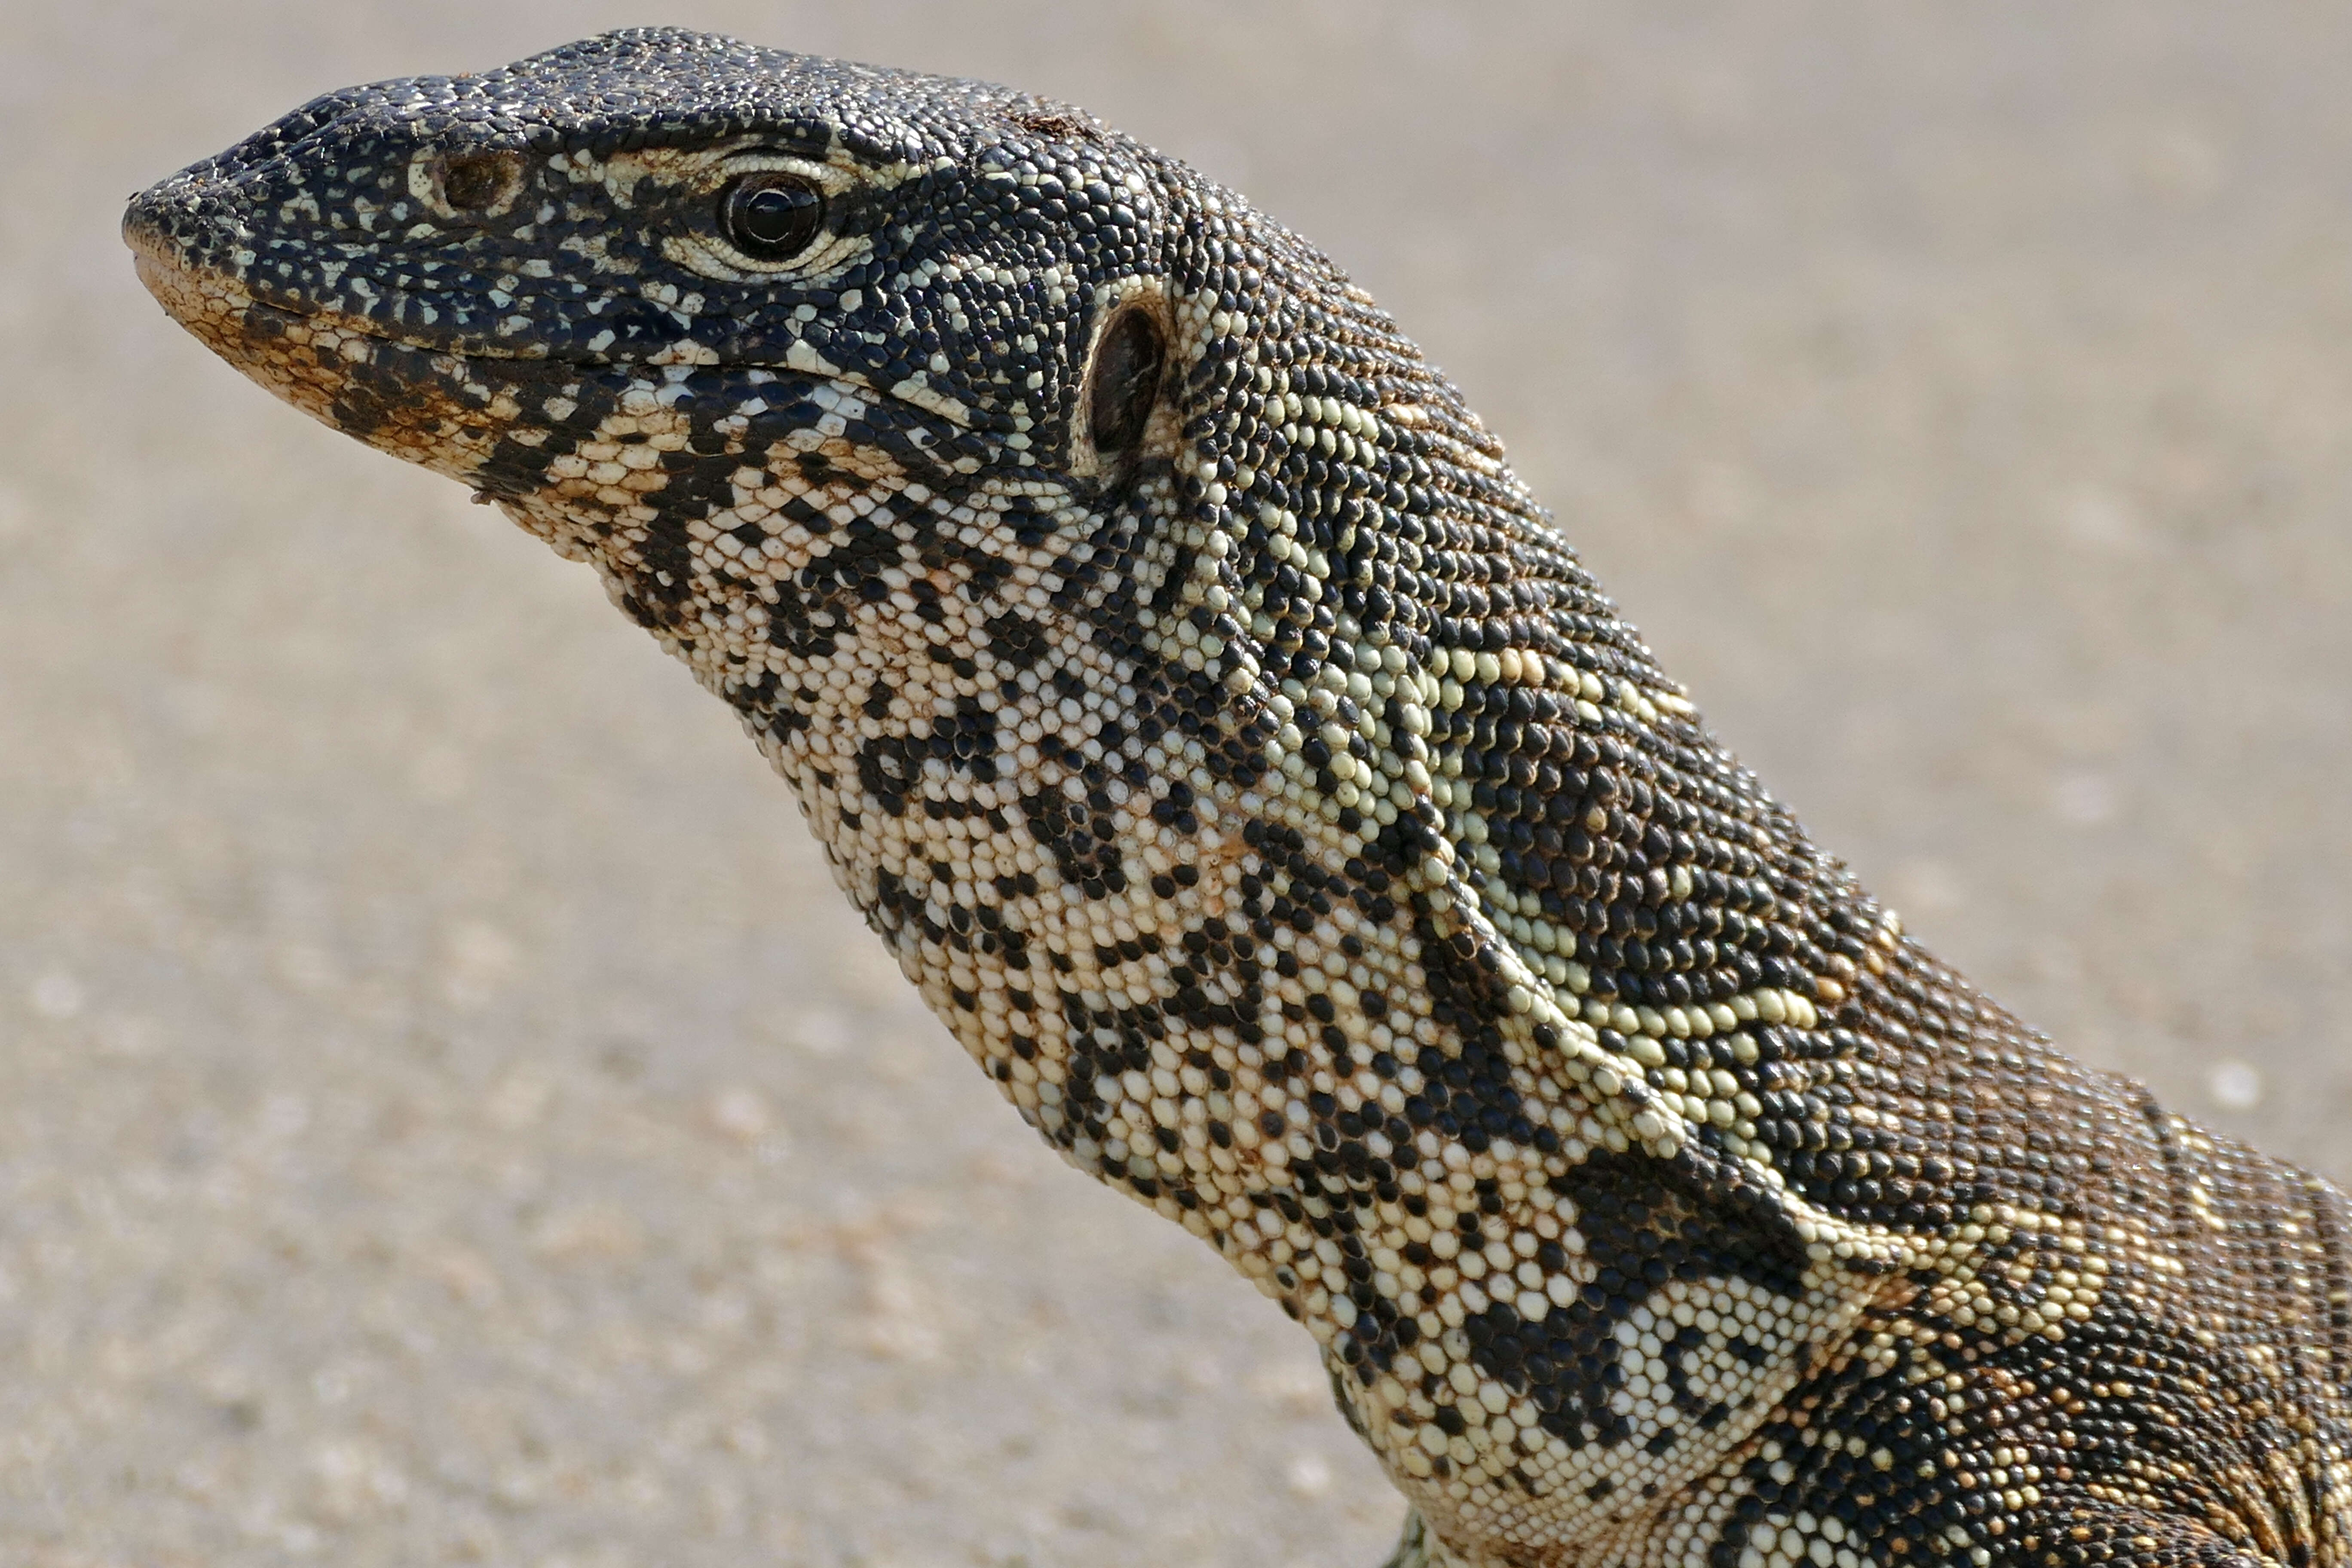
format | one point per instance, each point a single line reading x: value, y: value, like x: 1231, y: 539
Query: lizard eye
x: 1126, y: 380
x: 770, y: 216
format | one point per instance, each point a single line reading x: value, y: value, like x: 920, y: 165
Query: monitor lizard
x: 1256, y: 785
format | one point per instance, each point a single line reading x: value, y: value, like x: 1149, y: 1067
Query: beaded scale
x: 1257, y: 786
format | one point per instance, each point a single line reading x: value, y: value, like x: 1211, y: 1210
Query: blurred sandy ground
x: 447, y: 1114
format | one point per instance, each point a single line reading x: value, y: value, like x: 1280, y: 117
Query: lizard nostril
x: 476, y: 182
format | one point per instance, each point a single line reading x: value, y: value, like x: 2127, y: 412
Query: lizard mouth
x: 209, y: 300
x: 295, y: 348
x: 439, y: 405
x: 461, y: 411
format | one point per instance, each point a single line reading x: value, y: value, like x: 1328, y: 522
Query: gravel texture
x: 446, y: 1115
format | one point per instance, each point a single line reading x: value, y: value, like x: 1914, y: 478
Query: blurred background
x: 447, y: 1114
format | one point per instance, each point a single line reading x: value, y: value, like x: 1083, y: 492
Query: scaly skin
x: 1254, y: 782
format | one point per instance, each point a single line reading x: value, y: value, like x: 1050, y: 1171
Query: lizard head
x: 685, y: 213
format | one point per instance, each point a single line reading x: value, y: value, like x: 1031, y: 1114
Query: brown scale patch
x: 836, y: 464
x: 1060, y: 125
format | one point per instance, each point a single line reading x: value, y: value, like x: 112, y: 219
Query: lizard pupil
x: 1126, y: 380
x: 771, y: 217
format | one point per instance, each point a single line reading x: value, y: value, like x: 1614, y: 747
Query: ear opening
x: 1127, y: 379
